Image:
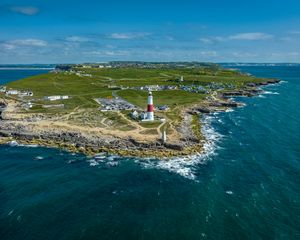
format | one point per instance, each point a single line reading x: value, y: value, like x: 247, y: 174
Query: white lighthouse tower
x: 150, y: 108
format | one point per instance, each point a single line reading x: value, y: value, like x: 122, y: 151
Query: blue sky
x: 94, y: 31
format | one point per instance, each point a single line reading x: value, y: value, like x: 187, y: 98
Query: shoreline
x: 92, y: 143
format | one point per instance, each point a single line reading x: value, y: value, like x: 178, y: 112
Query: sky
x: 60, y: 31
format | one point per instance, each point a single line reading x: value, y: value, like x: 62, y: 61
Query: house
x: 54, y: 98
x: 26, y: 93
x: 163, y: 108
x: 2, y: 88
x: 12, y: 92
x: 134, y: 114
x: 143, y: 115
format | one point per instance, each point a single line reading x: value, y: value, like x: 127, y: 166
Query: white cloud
x: 240, y: 36
x: 26, y: 10
x: 244, y: 54
x: 209, y: 53
x: 251, y: 36
x: 13, y: 44
x: 285, y: 54
x: 211, y: 40
x: 286, y: 39
x: 29, y: 42
x: 7, y: 46
x: 206, y: 40
x: 77, y: 39
x: 127, y: 36
x: 108, y: 53
x: 294, y: 32
x: 170, y: 38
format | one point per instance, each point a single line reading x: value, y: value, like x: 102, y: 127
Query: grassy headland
x: 180, y: 88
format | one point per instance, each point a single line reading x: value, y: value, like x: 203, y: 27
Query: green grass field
x: 171, y: 97
x: 83, y: 90
x: 82, y: 109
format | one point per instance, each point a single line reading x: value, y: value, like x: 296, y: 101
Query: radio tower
x: 150, y: 109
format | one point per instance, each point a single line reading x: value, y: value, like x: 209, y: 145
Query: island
x: 140, y: 109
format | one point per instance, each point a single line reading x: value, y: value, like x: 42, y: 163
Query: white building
x: 143, y: 116
x: 25, y: 93
x: 12, y: 92
x: 54, y: 98
x: 2, y: 88
x: 134, y: 114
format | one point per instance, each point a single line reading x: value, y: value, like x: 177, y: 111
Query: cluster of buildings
x: 148, y: 116
x: 218, y: 86
x: 103, y: 65
x: 118, y: 104
x: 3, y: 89
x: 193, y: 88
x: 145, y: 116
x: 148, y: 88
x: 156, y: 88
x: 115, y: 104
x: 79, y: 74
x: 207, y: 88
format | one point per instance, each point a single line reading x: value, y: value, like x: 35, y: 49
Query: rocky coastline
x: 93, y: 143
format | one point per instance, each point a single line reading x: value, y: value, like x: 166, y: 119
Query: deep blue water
x: 248, y: 188
x: 8, y: 74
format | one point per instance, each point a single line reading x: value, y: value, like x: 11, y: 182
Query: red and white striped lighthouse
x: 150, y: 109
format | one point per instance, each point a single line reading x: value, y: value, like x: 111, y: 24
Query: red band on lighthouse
x: 150, y: 108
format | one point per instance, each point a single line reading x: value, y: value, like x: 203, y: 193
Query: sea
x: 245, y: 186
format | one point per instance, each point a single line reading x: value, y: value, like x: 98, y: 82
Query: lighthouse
x: 150, y: 108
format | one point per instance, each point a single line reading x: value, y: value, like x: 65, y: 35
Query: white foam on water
x: 13, y: 144
x: 93, y: 162
x: 29, y: 145
x: 16, y: 144
x: 39, y: 158
x: 11, y: 212
x: 282, y: 82
x: 187, y: 166
x: 103, y: 158
x: 271, y: 93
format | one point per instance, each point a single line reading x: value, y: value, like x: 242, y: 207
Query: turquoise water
x: 246, y: 187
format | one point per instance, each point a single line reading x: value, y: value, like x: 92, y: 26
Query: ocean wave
x: 16, y: 144
x: 187, y: 166
x: 271, y: 93
x: 29, y: 145
x: 13, y: 144
x: 93, y: 162
x: 282, y: 82
x: 103, y: 158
